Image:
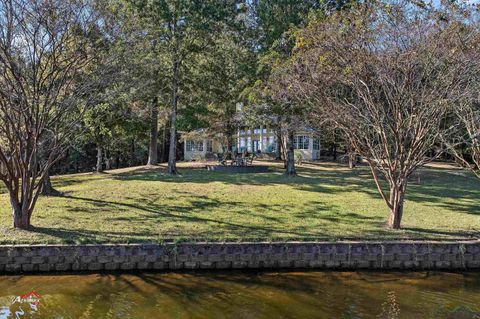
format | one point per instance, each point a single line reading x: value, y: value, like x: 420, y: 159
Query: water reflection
x: 243, y: 295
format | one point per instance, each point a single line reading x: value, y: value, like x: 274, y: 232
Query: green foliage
x: 276, y: 17
x: 193, y: 117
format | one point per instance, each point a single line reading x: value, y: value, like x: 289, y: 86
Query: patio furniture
x: 222, y: 158
x: 238, y: 160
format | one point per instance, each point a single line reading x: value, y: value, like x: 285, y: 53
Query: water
x: 243, y: 295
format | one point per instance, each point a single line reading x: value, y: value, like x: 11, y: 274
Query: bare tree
x: 464, y: 145
x: 44, y: 48
x: 384, y: 74
x: 468, y: 117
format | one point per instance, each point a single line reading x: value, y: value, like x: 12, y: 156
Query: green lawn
x: 326, y: 201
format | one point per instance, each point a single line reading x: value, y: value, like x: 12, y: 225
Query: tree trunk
x: 351, y: 161
x: 132, y: 152
x: 108, y: 162
x: 351, y: 157
x: 164, y: 145
x: 278, y: 149
x: 334, y: 146
x: 229, y: 153
x: 290, y: 169
x: 47, y: 188
x: 99, y: 167
x: 21, y: 217
x: 153, y: 147
x: 397, y: 199
x: 172, y: 154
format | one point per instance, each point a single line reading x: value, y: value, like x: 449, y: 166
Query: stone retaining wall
x: 318, y: 255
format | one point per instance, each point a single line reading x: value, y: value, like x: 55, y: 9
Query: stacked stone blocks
x: 288, y: 255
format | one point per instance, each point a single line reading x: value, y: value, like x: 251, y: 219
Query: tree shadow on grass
x: 432, y: 187
x: 194, y: 223
x: 436, y: 187
x: 451, y: 189
x: 427, y: 185
x: 77, y: 236
x: 155, y: 212
x: 77, y: 179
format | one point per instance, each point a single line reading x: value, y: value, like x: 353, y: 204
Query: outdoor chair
x: 237, y: 161
x: 222, y: 159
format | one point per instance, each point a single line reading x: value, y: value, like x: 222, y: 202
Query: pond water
x: 243, y: 295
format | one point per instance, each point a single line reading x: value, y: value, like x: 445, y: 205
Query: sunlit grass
x: 325, y: 202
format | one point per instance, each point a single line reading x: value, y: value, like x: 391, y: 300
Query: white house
x: 255, y: 140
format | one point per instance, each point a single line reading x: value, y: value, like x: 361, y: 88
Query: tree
x: 288, y: 113
x: 142, y: 62
x: 468, y: 134
x: 384, y: 74
x: 44, y: 48
x: 275, y: 17
x: 153, y: 146
x: 185, y: 27
x: 463, y: 140
x: 222, y: 72
x: 47, y: 188
x: 275, y: 22
x: 100, y: 123
x: 273, y: 102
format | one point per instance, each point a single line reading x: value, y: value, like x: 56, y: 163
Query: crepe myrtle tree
x: 44, y: 48
x: 464, y: 121
x: 465, y: 145
x: 384, y: 74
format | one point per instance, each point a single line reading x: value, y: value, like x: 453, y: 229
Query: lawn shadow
x: 430, y: 186
x: 196, y: 212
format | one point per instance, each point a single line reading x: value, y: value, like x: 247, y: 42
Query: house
x: 200, y: 145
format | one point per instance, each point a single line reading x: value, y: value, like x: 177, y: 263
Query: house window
x: 210, y: 146
x: 193, y: 146
x: 316, y: 144
x: 190, y: 146
x: 301, y: 142
x: 242, y: 142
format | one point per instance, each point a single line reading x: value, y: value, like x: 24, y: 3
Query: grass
x: 325, y: 202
